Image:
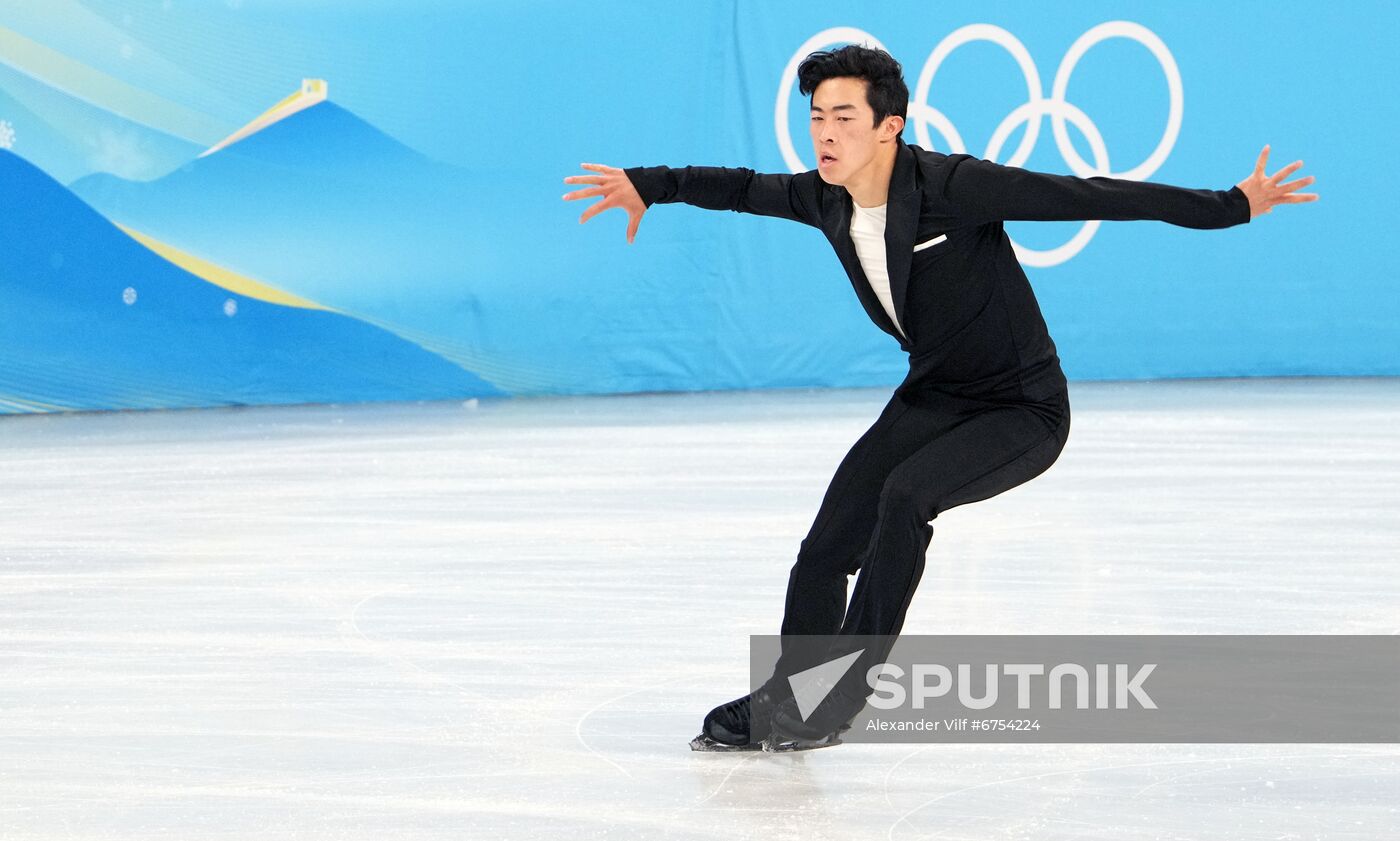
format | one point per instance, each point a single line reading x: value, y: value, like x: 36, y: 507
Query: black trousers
x: 923, y: 455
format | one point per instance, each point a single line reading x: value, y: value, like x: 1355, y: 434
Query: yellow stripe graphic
x: 220, y: 276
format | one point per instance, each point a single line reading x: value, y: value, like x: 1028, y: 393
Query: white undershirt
x: 868, y: 235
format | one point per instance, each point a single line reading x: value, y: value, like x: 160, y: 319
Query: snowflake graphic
x: 7, y: 135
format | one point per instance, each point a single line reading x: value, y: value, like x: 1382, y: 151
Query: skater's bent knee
x: 812, y: 569
x: 906, y: 498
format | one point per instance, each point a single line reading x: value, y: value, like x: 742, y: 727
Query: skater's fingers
x: 1294, y: 198
x: 584, y: 179
x: 584, y: 194
x: 1285, y: 172
x: 1263, y: 159
x: 600, y: 167
x: 634, y: 220
x: 1293, y: 185
x: 594, y: 210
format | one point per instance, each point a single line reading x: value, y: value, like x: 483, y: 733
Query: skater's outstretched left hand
x: 1265, y: 192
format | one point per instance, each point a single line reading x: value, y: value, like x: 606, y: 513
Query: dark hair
x: 885, y: 89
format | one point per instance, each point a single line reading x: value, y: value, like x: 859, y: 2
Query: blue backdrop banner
x: 265, y: 202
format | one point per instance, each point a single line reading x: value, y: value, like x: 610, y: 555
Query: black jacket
x: 975, y: 330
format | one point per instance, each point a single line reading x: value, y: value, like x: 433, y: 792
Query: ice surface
x: 507, y: 619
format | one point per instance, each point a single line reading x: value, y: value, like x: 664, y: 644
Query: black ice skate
x: 740, y: 724
x: 788, y: 731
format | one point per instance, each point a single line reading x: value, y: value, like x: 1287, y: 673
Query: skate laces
x: 742, y: 711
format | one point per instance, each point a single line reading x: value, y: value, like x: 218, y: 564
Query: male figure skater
x: 984, y: 407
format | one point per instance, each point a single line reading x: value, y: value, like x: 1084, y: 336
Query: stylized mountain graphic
x: 312, y: 92
x: 94, y: 319
x: 326, y: 206
x: 330, y: 141
x: 320, y: 202
x: 320, y: 144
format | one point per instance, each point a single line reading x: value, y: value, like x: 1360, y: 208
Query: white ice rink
x: 506, y: 620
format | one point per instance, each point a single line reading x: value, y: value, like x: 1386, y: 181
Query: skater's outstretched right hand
x: 617, y: 191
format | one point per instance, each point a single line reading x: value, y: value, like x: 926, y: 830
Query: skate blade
x: 774, y: 744
x: 705, y: 743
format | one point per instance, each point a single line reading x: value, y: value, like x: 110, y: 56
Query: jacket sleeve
x: 724, y: 188
x: 984, y: 191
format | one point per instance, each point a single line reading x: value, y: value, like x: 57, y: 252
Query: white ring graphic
x: 1144, y: 36
x: 945, y: 48
x: 1057, y: 107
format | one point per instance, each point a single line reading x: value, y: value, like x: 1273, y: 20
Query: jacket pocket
x: 930, y: 243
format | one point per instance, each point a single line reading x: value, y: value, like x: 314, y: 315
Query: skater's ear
x: 891, y: 127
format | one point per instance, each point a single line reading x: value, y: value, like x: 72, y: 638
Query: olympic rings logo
x: 923, y: 115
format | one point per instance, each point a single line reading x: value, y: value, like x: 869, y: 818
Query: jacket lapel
x: 901, y: 223
x: 901, y: 227
x: 838, y: 231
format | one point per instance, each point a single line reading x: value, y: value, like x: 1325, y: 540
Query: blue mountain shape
x: 328, y: 138
x: 69, y: 339
x: 325, y: 143
x: 321, y: 203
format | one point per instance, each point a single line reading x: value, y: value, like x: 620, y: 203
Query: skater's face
x: 844, y: 135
